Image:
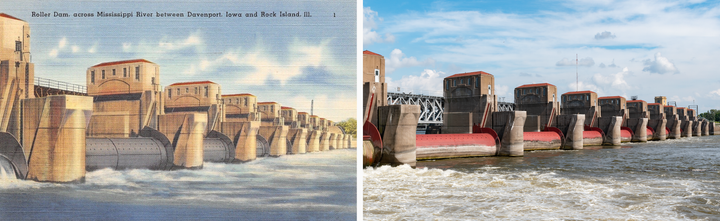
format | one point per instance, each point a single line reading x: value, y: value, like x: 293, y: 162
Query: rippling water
x: 663, y: 180
x: 306, y: 186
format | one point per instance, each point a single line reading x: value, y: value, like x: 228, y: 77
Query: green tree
x: 712, y: 115
x: 350, y: 126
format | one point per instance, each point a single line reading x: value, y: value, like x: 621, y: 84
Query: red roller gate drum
x: 371, y: 134
x: 543, y: 140
x: 650, y: 132
x: 625, y: 134
x: 436, y: 146
x: 592, y: 138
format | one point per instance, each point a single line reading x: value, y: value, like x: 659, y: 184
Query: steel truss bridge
x: 431, y: 107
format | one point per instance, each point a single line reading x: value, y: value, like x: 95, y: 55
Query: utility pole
x: 577, y: 82
x: 311, y: 107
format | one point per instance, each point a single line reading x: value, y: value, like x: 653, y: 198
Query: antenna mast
x: 311, y: 107
x: 577, y: 82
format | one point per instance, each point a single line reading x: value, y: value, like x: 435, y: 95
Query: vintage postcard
x: 167, y: 110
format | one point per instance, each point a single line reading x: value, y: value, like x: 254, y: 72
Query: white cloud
x: 586, y: 62
x: 398, y: 60
x: 612, y: 83
x: 676, y: 98
x: 53, y: 53
x: 193, y: 39
x: 502, y: 91
x: 93, y: 48
x: 660, y: 65
x: 74, y: 49
x: 266, y: 65
x: 126, y: 46
x: 604, y: 35
x: 715, y: 93
x: 336, y: 107
x: 62, y: 43
x: 429, y: 82
x: 501, y: 42
x: 370, y: 36
x: 583, y: 87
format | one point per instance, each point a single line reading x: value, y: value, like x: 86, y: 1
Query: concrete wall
x: 572, y: 127
x: 399, y: 123
x: 134, y: 110
x: 192, y: 94
x: 186, y: 131
x: 582, y: 102
x: 277, y: 137
x: 457, y: 123
x: 290, y: 117
x: 17, y: 74
x: 125, y: 80
x: 13, y: 29
x: 53, y: 137
x: 509, y: 127
x: 610, y: 125
x: 243, y: 136
x: 371, y: 63
x: 238, y: 105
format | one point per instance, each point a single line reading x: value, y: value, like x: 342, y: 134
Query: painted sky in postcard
x: 288, y: 60
x: 645, y: 48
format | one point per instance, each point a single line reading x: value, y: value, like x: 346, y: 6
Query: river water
x: 658, y: 180
x: 314, y: 186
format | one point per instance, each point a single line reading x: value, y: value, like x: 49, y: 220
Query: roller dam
x: 475, y: 124
x: 123, y: 118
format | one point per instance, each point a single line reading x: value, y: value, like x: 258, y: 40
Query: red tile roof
x: 9, y: 16
x: 579, y: 92
x: 371, y: 53
x: 609, y: 97
x: 468, y: 74
x: 287, y: 108
x: 680, y: 108
x: 631, y: 101
x: 121, y: 62
x: 653, y: 104
x: 535, y: 85
x: 233, y: 95
x: 302, y: 113
x: 669, y: 106
x: 192, y: 82
x: 270, y: 102
x: 313, y: 116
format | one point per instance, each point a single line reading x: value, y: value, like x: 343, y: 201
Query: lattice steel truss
x: 431, y: 107
x: 506, y: 106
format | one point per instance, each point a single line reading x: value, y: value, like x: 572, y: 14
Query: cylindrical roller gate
x: 263, y: 146
x: 217, y: 150
x: 127, y: 153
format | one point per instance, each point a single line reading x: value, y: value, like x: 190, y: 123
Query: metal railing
x: 50, y: 83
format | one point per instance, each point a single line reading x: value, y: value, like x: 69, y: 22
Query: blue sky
x: 644, y: 48
x: 288, y: 60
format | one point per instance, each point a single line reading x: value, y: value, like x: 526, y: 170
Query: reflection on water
x: 658, y: 180
x: 306, y: 186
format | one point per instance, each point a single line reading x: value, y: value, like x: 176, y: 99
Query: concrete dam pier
x: 475, y: 124
x: 124, y: 119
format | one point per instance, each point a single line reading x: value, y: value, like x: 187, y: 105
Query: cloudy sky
x: 644, y: 48
x: 288, y: 60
